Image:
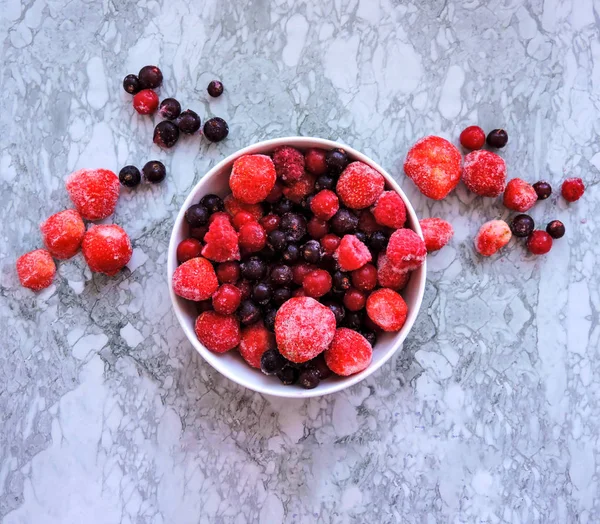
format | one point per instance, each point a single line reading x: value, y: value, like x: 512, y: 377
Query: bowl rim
x: 212, y: 358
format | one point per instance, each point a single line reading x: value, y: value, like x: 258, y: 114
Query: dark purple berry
x: 150, y: 77
x: 248, y: 312
x: 371, y: 336
x: 336, y: 160
x: 293, y: 225
x: 282, y: 206
x: 253, y: 268
x: 281, y: 295
x: 131, y: 84
x: 291, y: 253
x: 311, y: 251
x: 338, y: 311
x: 213, y: 203
x: 216, y: 129
x: 130, y: 176
x: 378, y: 241
x: 215, y: 88
x: 277, y: 240
x: 321, y: 366
x: 344, y: 222
x: 341, y: 281
x: 324, y: 182
x: 288, y: 375
x: 281, y: 275
x: 169, y: 108
x: 522, y: 226
x: 166, y: 134
x: 543, y: 189
x: 262, y: 293
x: 154, y: 171
x: 309, y: 378
x: 271, y: 362
x: 269, y: 319
x: 556, y: 229
x: 188, y: 122
x: 362, y: 236
x: 353, y: 320
x: 197, y: 215
x: 268, y: 253
x: 497, y: 138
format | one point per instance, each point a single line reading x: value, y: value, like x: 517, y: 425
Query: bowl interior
x: 231, y: 364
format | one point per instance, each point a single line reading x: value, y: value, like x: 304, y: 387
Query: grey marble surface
x: 491, y: 412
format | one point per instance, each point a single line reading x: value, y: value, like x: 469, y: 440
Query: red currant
x: 317, y: 283
x: 226, y: 299
x: 364, y: 278
x: 228, y: 272
x: 145, y: 102
x: 354, y: 299
x: 473, y: 137
x: 188, y: 249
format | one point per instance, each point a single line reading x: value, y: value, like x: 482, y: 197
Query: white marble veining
x: 489, y: 415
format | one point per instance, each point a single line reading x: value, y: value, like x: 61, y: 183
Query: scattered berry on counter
x: 572, y: 189
x: 484, y: 173
x: 542, y: 189
x: 150, y: 77
x: 252, y: 178
x: 389, y: 210
x: 130, y: 176
x: 336, y: 160
x: 539, y: 242
x: 349, y: 353
x: 497, y: 138
x: 36, y: 269
x: 145, y: 102
x: 131, y: 84
x: 289, y: 164
x: 166, y: 134
x: 215, y: 88
x: 389, y: 276
x: 226, y: 299
x: 218, y: 333
x: 221, y: 241
x: 62, y: 233
x: 216, y: 129
x: 195, y: 280
x: 492, y: 236
x: 387, y: 309
x: 154, y: 171
x: 188, y: 122
x: 436, y: 232
x: 556, y: 229
x: 406, y: 250
x: 522, y: 226
x: 169, y: 108
x: 106, y: 249
x: 315, y: 163
x: 255, y: 341
x: 352, y: 254
x: 359, y: 185
x: 472, y: 137
x: 187, y: 249
x: 519, y: 195
x: 300, y: 189
x: 94, y: 192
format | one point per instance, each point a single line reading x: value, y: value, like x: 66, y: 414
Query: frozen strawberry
x: 367, y: 222
x: 519, y: 195
x: 289, y: 164
x: 472, y: 137
x: 389, y: 276
x: 63, y: 233
x: 106, y: 249
x: 389, y: 210
x: 252, y: 178
x: 484, y: 173
x: 572, y: 189
x: 300, y: 189
x: 436, y: 232
x: 221, y: 241
x: 349, y: 353
x: 434, y: 165
x: 387, y: 309
x: 303, y: 329
x: 314, y: 159
x: 325, y: 204
x: 94, y: 192
x: 233, y: 207
x: 492, y: 236
x: 359, y: 185
x: 406, y: 250
x: 226, y: 299
x: 539, y: 242
x: 255, y: 340
x: 252, y: 237
x: 218, y: 333
x: 352, y: 254
x: 36, y: 269
x: 195, y: 280
x: 188, y: 249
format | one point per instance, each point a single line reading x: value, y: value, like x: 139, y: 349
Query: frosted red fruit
x: 226, y: 299
x: 406, y: 250
x: 352, y: 254
x: 325, y: 204
x: 188, y: 249
x: 62, y: 233
x: 300, y: 270
x: 252, y: 178
x: 349, y: 353
x: 241, y: 218
x: 218, y: 333
x: 289, y: 164
x: 228, y: 272
x: 539, y: 242
x: 218, y: 216
x: 145, y: 102
x: 436, y: 232
x: 387, y: 309
x: 221, y: 241
x: 106, y: 249
x: 389, y: 210
x: 316, y: 283
x: 252, y: 237
x: 367, y: 222
x: 484, y: 173
x: 314, y: 160
x: 492, y: 236
x: 472, y: 137
x: 195, y: 280
x: 365, y: 278
x: 572, y: 189
x: 303, y: 328
x: 434, y: 165
x: 255, y: 340
x: 519, y: 195
x: 359, y: 185
x: 389, y: 276
x: 330, y: 243
x: 94, y: 192
x: 36, y: 269
x: 354, y: 299
x: 233, y: 207
x: 303, y: 187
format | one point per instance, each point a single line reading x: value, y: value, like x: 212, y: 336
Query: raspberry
x: 317, y: 283
x: 484, y: 173
x: 389, y: 276
x: 539, y: 242
x: 389, y: 210
x: 269, y: 223
x: 221, y: 241
x: 228, y: 272
x: 106, y: 249
x: 365, y: 278
x: 359, y: 185
x: 406, y: 250
x: 219, y: 215
x: 317, y: 228
x: 233, y: 207
x: 352, y: 254
x: 226, y: 299
x: 330, y: 243
x: 387, y: 309
x: 303, y: 187
x: 36, y: 269
x: 492, y: 236
x: 367, y: 222
x: 255, y: 340
x: 434, y: 165
x: 354, y: 299
x: 519, y: 195
x: 145, y: 102
x: 195, y: 280
x: 218, y: 333
x: 300, y: 271
x: 62, y: 233
x: 252, y: 178
x: 314, y: 160
x: 472, y: 137
x: 349, y: 353
x: 289, y: 164
x: 436, y: 232
x: 94, y: 192
x: 252, y: 237
x: 572, y: 189
x: 325, y: 204
x: 188, y: 249
x: 303, y: 329
x: 241, y: 218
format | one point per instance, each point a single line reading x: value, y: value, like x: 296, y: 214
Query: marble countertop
x: 489, y: 414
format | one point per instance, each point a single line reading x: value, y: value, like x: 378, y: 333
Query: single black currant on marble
x: 336, y: 160
x: 340, y: 281
x: 291, y: 253
x: 288, y: 375
x: 281, y: 275
x: 338, y: 310
x: 248, y: 312
x: 130, y: 176
x: 253, y: 269
x: 277, y: 240
x: 213, y: 203
x: 309, y: 378
x: 269, y: 319
x: 215, y: 88
x: 166, y: 134
x: 216, y: 129
x: 281, y: 295
x: 282, y: 206
x: 262, y: 293
x: 497, y: 138
x: 378, y: 241
x: 271, y: 362
x: 169, y: 108
x: 556, y: 229
x: 311, y: 251
x: 154, y: 171
x: 344, y: 222
x: 543, y: 189
x: 131, y: 84
x: 293, y: 225
x: 522, y: 226
x: 150, y: 77
x: 197, y: 215
x: 353, y: 320
x: 188, y: 122
x: 325, y: 182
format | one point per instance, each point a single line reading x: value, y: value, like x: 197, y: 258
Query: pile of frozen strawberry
x: 301, y: 266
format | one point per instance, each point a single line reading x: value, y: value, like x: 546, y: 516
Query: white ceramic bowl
x: 231, y: 364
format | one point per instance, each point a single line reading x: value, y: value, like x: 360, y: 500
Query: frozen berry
x: 344, y: 222
x: 188, y: 249
x: 325, y: 204
x: 233, y: 207
x: 218, y: 333
x: 294, y: 226
x: 300, y: 189
x: 154, y: 171
x: 245, y: 287
x: 390, y: 276
x: 289, y: 164
x: 269, y: 319
x: 166, y: 134
x: 340, y: 281
x: 145, y: 102
x: 290, y: 253
x: 317, y: 283
x: 329, y: 243
x: 288, y: 375
x: 262, y: 293
x: 317, y: 228
x: 314, y: 160
x: 434, y: 165
x: 572, y: 189
x: 406, y: 250
x: 556, y: 229
x: 497, y: 138
x: 283, y: 206
x: 212, y: 202
x: 106, y: 249
x: 197, y: 215
x: 275, y: 195
x: 354, y: 299
x: 492, y: 236
x: 303, y: 329
x: 349, y: 353
x: 281, y: 295
x: 169, y: 108
x: 271, y: 362
x: 362, y: 236
x: 62, y: 233
x: 365, y: 278
x: 131, y: 84
x: 299, y: 272
x: 336, y: 160
x: 542, y: 189
x: 354, y: 320
x: 352, y: 254
x: 522, y: 226
x: 36, y: 269
x: 253, y: 268
x: 221, y: 241
x: 359, y: 186
x: 311, y: 251
x: 325, y: 182
x: 94, y: 192
x: 281, y: 275
x: 252, y: 178
x: 254, y: 342
x: 228, y: 272
x: 484, y: 173
x: 130, y: 176
x: 539, y: 242
x: 269, y: 223
x: 378, y: 241
x: 387, y: 309
x: 436, y: 232
x: 472, y: 137
x: 150, y: 77
x: 338, y: 310
x: 198, y: 232
x: 226, y: 299
x: 216, y: 129
x: 248, y: 312
x: 389, y: 210
x: 195, y: 280
x: 371, y: 336
x: 188, y: 122
x: 203, y: 305
x: 215, y: 88
x: 241, y: 218
x: 309, y: 378
x: 519, y: 195
x: 252, y: 237
x: 367, y: 222
x: 277, y: 240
